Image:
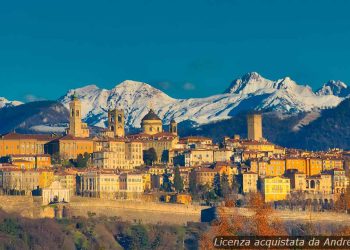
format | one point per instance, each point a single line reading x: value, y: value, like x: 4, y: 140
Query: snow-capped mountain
x: 251, y: 91
x: 6, y: 103
x: 336, y: 88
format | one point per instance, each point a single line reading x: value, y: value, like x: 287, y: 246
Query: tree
x: 167, y: 185
x: 225, y: 186
x: 236, y: 184
x: 149, y: 156
x: 217, y: 185
x: 178, y: 182
x: 83, y: 160
x: 56, y: 159
x: 193, y: 182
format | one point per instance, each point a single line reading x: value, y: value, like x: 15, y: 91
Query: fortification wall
x: 146, y: 212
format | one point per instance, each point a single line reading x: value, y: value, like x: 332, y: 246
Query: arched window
x: 312, y: 184
x: 72, y: 113
x: 77, y: 113
x: 120, y: 118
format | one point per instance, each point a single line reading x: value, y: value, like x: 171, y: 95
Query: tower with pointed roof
x: 151, y: 124
x: 76, y: 127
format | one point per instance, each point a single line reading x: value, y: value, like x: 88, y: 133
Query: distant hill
x: 34, y: 117
x: 331, y: 129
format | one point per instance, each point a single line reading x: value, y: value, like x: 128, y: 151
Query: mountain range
x: 286, y: 105
x: 250, y: 92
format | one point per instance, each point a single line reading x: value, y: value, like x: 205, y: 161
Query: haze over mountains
x: 283, y: 101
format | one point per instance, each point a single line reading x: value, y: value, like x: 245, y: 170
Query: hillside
x: 34, y: 117
x: 330, y: 129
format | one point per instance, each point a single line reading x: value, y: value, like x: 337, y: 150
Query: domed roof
x: 151, y: 116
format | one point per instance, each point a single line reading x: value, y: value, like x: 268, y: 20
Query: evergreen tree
x: 236, y: 186
x: 178, y: 182
x: 193, y: 183
x: 167, y: 185
x: 225, y: 186
x: 217, y: 185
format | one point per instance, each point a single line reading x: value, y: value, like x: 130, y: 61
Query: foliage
x: 149, y: 156
x: 167, y: 185
x: 225, y: 186
x: 178, y: 182
x: 83, y: 160
x: 217, y: 185
x: 10, y: 226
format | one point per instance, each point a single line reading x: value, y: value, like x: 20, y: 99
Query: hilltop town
x: 158, y: 165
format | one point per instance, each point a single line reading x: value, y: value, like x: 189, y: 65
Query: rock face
x: 336, y: 88
x: 250, y: 92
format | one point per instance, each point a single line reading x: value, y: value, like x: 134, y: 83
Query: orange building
x: 299, y: 164
x: 31, y: 161
x: 314, y: 166
x: 69, y: 147
x: 23, y: 144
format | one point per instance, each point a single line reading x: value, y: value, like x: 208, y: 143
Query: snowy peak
x: 6, y: 103
x: 250, y: 92
x: 254, y: 83
x: 249, y: 83
x: 337, y: 88
x: 132, y: 96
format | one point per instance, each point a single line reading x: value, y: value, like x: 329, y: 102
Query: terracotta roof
x: 39, y: 137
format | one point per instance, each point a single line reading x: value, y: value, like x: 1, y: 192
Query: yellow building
x: 297, y: 180
x: 69, y: 147
x: 314, y: 166
x: 67, y: 180
x: 222, y: 155
x: 332, y: 163
x: 117, y: 154
x: 76, y: 127
x: 23, y: 164
x: 268, y: 167
x: 275, y: 188
x: 250, y: 182
x: 197, y: 157
x: 99, y: 183
x: 254, y: 122
x: 261, y: 146
x: 299, y: 164
x: 24, y: 144
x: 319, y: 184
x: 14, y: 180
x: 340, y: 181
x: 31, y: 161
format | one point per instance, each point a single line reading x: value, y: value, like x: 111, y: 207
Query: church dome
x: 151, y: 116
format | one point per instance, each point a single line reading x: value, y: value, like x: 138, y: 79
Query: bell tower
x: 173, y: 127
x: 76, y: 127
x: 116, y: 122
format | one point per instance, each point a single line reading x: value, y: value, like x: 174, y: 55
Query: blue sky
x: 186, y: 48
